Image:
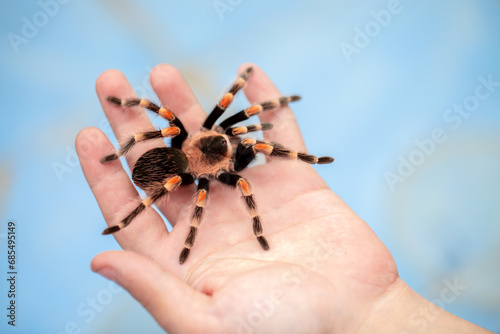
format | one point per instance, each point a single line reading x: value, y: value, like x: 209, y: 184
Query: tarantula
x: 217, y: 152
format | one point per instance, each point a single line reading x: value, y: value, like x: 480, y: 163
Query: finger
x: 175, y: 94
x: 125, y: 122
x: 259, y: 88
x: 176, y: 306
x: 116, y: 195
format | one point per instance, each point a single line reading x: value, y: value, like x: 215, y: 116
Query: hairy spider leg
x: 171, y: 184
x: 272, y: 149
x: 201, y: 198
x: 241, y: 130
x: 257, y: 109
x: 161, y: 111
x: 227, y: 99
x: 142, y: 136
x: 235, y: 180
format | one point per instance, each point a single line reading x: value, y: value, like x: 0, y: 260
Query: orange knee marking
x: 173, y: 183
x: 264, y: 148
x: 165, y: 113
x: 245, y: 187
x: 226, y: 100
x: 253, y: 110
x: 144, y: 103
x: 202, y: 195
x: 240, y: 130
x: 170, y: 132
x: 248, y: 141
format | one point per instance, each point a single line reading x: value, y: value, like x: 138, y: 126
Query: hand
x: 326, y: 271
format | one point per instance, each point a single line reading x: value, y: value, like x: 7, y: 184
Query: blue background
x: 368, y: 109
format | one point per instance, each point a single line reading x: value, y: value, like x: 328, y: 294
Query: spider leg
x: 277, y: 150
x: 235, y: 180
x: 226, y: 99
x: 201, y: 195
x: 171, y: 132
x: 241, y: 130
x: 171, y: 184
x: 257, y: 109
x: 161, y: 111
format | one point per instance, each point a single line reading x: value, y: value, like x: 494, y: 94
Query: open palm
x: 325, y: 270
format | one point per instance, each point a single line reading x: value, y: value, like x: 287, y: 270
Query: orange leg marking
x: 254, y: 110
x: 226, y: 100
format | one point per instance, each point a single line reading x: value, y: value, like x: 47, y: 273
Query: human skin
x: 326, y: 270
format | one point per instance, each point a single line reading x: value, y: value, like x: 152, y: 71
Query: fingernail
x: 108, y: 273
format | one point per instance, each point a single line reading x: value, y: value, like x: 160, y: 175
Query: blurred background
x: 404, y: 94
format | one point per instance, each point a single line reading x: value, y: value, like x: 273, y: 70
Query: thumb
x: 176, y: 306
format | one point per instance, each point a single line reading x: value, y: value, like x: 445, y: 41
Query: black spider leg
x: 241, y: 130
x: 272, y: 149
x: 171, y: 132
x: 201, y: 198
x: 161, y: 111
x: 226, y: 99
x: 234, y: 180
x: 257, y: 109
x: 155, y: 194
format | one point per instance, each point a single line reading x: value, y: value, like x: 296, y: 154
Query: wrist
x: 401, y: 310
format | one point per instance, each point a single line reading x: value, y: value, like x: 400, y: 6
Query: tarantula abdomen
x: 158, y: 164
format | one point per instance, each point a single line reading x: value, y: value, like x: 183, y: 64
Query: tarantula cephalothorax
x: 217, y: 152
